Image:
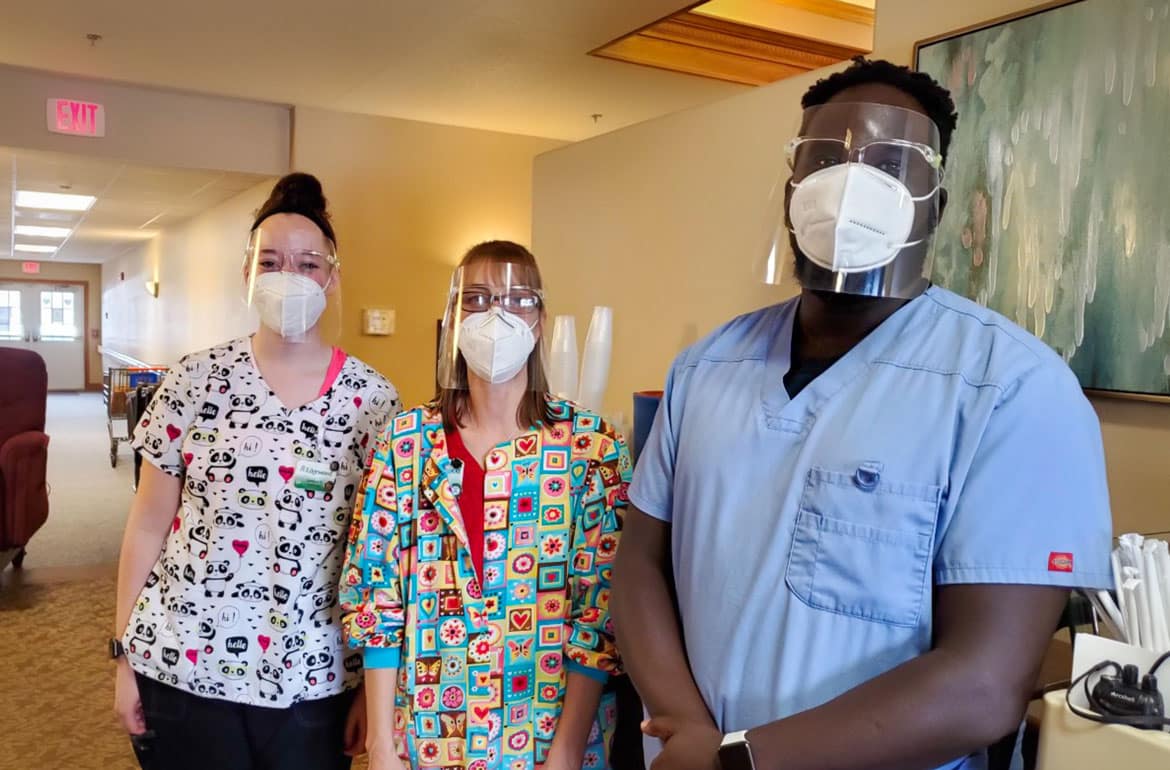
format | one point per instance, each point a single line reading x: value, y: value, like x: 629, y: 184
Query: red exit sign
x: 68, y: 116
x: 31, y: 268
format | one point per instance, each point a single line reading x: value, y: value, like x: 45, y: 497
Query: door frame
x: 85, y: 320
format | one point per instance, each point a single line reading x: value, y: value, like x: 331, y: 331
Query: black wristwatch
x: 735, y: 753
x: 116, y: 649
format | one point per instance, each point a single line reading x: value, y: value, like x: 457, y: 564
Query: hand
x: 356, y: 724
x: 383, y: 755
x: 127, y: 704
x: 689, y: 745
x: 559, y: 760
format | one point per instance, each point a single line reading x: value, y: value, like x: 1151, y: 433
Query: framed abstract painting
x: 1058, y: 180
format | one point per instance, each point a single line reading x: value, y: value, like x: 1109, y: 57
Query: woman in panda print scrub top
x: 227, y: 639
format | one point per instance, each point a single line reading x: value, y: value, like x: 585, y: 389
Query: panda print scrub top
x: 242, y: 602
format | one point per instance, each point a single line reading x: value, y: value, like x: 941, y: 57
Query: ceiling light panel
x: 36, y: 231
x: 30, y: 199
x: 36, y: 215
x: 33, y: 248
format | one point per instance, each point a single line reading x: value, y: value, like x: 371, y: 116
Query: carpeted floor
x: 88, y: 499
x: 56, y: 680
x: 56, y: 684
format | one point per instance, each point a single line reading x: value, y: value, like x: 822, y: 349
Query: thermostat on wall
x: 377, y: 322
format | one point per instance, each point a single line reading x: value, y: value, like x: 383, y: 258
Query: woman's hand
x: 127, y: 704
x: 560, y: 760
x: 356, y: 726
x: 383, y: 756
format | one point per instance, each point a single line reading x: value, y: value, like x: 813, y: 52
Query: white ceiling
x: 133, y: 202
x: 520, y: 66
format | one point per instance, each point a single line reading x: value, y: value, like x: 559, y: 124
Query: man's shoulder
x: 979, y: 344
x: 747, y: 337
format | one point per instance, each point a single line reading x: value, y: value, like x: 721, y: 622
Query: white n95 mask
x: 496, y: 344
x: 289, y: 303
x: 851, y: 217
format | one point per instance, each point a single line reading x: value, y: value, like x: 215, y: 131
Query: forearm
x: 650, y: 639
x: 380, y: 686
x: 931, y: 710
x: 141, y: 544
x: 582, y: 699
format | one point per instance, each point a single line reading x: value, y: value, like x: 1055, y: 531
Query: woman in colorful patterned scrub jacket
x: 227, y: 637
x: 478, y: 572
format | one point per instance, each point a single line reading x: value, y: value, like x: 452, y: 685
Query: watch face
x: 736, y: 756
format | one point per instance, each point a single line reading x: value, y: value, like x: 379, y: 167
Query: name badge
x: 318, y: 477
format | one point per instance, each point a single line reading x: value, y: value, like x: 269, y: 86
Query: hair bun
x: 298, y: 193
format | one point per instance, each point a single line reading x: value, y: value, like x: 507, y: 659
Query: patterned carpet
x: 56, y: 681
x: 56, y: 684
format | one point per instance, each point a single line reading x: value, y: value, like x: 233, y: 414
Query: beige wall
x: 408, y: 198
x: 91, y: 275
x: 664, y: 221
x: 200, y: 299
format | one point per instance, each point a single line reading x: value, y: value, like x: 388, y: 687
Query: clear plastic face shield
x: 492, y: 325
x: 855, y: 209
x: 291, y: 279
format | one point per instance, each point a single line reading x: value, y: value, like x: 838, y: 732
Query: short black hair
x: 935, y: 99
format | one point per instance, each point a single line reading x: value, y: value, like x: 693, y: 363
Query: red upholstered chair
x: 24, y: 449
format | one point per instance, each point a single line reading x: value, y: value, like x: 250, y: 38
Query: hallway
x: 88, y: 500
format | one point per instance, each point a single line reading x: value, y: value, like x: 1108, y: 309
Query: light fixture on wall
x: 152, y: 288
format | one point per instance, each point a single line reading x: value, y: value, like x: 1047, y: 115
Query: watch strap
x: 735, y: 752
x: 732, y: 739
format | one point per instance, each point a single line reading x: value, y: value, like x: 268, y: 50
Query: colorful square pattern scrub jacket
x: 949, y: 446
x: 482, y: 670
x: 242, y: 603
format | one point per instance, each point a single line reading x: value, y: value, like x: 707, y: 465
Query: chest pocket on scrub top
x: 862, y: 545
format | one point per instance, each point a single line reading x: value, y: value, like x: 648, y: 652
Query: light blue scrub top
x: 949, y: 446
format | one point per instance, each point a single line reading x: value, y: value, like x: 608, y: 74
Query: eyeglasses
x: 309, y: 263
x: 920, y: 165
x: 479, y: 299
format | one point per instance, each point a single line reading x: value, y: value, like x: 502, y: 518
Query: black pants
x: 195, y: 733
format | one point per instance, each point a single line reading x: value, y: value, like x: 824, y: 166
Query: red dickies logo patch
x: 1060, y: 562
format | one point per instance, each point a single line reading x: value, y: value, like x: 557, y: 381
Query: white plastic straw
x: 1132, y: 612
x: 1162, y: 557
x: 595, y: 363
x: 1122, y: 601
x: 1109, y: 612
x: 562, y: 357
x: 1131, y: 550
x: 1160, y: 634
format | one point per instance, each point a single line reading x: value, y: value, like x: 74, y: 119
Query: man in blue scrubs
x: 859, y: 512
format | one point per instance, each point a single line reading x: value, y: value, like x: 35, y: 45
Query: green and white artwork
x: 1059, y: 182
